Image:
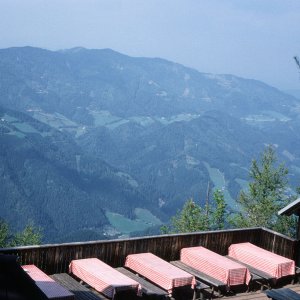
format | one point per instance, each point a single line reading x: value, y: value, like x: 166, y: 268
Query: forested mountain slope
x: 91, y: 139
x: 46, y: 177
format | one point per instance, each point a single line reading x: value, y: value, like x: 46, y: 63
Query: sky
x: 254, y: 39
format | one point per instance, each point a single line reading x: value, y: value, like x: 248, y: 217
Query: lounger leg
x: 261, y: 287
x: 201, y: 295
x: 219, y: 293
x: 212, y: 291
x: 195, y: 294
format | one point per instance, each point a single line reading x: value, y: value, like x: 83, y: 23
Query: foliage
x: 190, y: 218
x: 259, y: 205
x: 219, y: 213
x: 31, y: 235
x: 4, y: 234
x: 193, y: 217
x: 265, y: 196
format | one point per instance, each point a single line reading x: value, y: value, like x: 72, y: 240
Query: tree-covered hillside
x: 46, y: 177
x: 95, y: 143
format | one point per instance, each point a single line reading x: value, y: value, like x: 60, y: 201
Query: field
x: 144, y: 220
x: 218, y: 179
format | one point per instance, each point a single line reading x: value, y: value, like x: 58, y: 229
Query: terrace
x: 55, y: 259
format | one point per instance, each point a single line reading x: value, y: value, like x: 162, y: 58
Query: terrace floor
x: 260, y: 295
x: 91, y: 294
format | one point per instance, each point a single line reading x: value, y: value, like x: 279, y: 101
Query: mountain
x: 118, y: 143
x: 294, y: 92
x: 83, y: 84
x: 46, y: 177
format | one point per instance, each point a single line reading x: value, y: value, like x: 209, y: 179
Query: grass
x: 267, y: 116
x: 55, y: 120
x: 145, y: 219
x: 9, y: 118
x: 25, y: 128
x: 22, y: 127
x: 216, y: 176
x: 17, y: 134
x: 147, y: 216
x: 59, y: 121
x: 277, y: 115
x: 218, y: 179
x: 143, y: 121
x: 177, y: 118
x: 125, y: 225
x: 295, y: 168
x: 243, y: 183
x: 103, y: 118
x: 129, y: 179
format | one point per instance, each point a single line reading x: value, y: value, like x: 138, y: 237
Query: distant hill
x: 295, y: 93
x: 96, y: 143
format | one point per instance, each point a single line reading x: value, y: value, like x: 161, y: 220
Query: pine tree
x: 192, y: 217
x: 30, y: 235
x: 4, y: 234
x: 265, y: 196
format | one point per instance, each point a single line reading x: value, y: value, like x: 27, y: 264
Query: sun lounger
x: 205, y: 280
x: 79, y: 290
x: 102, y: 277
x: 147, y: 287
x: 275, y: 265
x: 261, y: 278
x: 282, y: 294
x: 47, y: 285
x: 15, y: 283
x: 160, y: 272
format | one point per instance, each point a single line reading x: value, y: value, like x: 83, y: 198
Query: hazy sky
x: 249, y: 38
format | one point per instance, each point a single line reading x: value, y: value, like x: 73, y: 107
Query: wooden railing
x: 56, y: 258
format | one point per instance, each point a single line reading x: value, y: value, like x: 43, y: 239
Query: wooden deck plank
x: 250, y: 297
x: 147, y: 287
x: 260, y: 295
x: 80, y: 291
x: 198, y: 274
x: 215, y: 284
